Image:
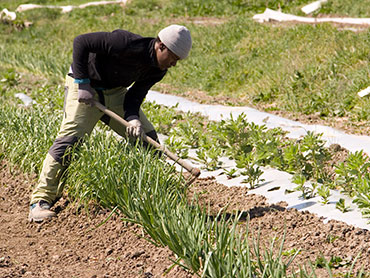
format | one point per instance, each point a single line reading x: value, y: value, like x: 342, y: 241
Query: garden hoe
x: 195, y: 172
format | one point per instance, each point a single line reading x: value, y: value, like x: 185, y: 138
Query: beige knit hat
x: 177, y: 38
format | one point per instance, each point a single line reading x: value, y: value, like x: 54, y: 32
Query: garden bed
x: 73, y: 246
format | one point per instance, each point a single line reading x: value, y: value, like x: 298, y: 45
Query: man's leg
x: 78, y: 120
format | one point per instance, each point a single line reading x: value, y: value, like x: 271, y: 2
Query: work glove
x: 135, y: 127
x: 86, y: 94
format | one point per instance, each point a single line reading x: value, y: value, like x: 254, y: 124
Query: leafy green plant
x: 351, y: 173
x: 231, y: 173
x: 210, y: 157
x: 316, y: 155
x: 293, y: 157
x: 334, y: 262
x: 9, y: 78
x: 331, y: 238
x: 308, y: 191
x: 234, y: 134
x: 341, y: 205
x: 180, y: 148
x: 307, y: 156
x: 362, y: 199
x: 324, y: 192
x: 163, y: 118
x: 291, y: 252
x: 253, y: 174
x: 189, y: 133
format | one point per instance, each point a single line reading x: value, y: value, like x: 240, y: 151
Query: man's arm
x: 133, y: 100
x: 136, y: 94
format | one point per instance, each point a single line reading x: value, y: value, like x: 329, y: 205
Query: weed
x: 331, y: 238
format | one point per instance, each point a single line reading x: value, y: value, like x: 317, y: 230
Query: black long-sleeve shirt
x: 118, y: 58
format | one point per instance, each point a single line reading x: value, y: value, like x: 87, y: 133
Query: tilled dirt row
x: 335, y: 241
x: 72, y: 246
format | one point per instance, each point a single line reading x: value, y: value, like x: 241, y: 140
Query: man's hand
x: 86, y: 94
x: 135, y: 128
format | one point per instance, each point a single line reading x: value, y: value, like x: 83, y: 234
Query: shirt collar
x: 152, y: 54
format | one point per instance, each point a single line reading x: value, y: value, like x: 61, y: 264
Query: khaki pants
x: 79, y: 119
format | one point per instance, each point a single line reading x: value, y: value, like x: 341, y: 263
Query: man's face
x: 165, y: 57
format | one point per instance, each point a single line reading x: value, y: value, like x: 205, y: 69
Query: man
x: 104, y: 65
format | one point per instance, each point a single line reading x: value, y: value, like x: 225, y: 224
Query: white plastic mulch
x: 276, y: 182
x: 278, y: 16
x: 7, y: 15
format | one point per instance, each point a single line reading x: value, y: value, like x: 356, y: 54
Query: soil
x: 75, y: 244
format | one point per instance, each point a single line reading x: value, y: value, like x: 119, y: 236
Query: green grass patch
x: 299, y: 68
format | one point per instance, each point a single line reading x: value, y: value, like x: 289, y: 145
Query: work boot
x: 40, y: 211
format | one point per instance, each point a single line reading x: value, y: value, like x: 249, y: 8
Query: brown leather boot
x: 40, y: 211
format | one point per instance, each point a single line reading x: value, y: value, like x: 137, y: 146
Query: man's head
x: 174, y: 43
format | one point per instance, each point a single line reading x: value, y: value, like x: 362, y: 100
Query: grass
x: 23, y: 138
x: 346, y: 8
x: 296, y: 68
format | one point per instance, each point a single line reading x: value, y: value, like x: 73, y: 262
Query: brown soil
x: 71, y: 245
x: 304, y: 230
x: 74, y: 245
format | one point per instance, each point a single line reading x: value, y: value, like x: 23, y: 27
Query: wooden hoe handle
x: 194, y: 171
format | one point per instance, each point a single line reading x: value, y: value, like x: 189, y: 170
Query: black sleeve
x: 99, y: 42
x: 136, y: 94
